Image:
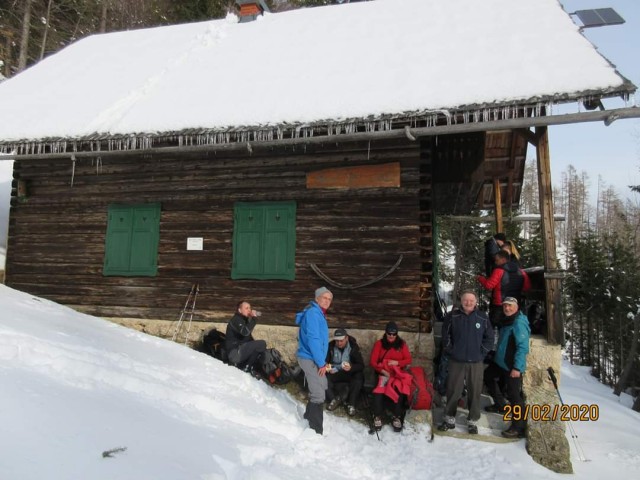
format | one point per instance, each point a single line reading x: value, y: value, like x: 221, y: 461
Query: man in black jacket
x: 243, y: 351
x: 467, y: 337
x: 345, y: 377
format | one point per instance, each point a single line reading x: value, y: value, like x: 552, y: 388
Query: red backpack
x: 421, y: 390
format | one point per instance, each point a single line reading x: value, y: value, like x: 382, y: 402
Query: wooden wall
x: 57, y: 232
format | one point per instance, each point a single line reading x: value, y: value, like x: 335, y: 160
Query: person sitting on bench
x: 345, y: 378
x: 389, y: 357
x: 243, y: 351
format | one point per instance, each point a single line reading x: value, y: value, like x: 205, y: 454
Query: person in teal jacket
x: 313, y: 345
x: 508, y: 365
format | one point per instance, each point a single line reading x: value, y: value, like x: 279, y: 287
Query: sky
x: 612, y: 152
x: 75, y: 386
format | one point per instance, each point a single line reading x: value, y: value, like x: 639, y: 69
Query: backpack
x: 213, y: 344
x: 274, y: 368
x: 421, y: 390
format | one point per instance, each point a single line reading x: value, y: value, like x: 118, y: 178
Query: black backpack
x: 213, y: 344
x: 274, y: 368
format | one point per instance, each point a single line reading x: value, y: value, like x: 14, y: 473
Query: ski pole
x: 186, y: 305
x: 193, y: 308
x: 574, y: 435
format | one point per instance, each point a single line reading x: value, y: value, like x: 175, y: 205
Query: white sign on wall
x: 194, y: 243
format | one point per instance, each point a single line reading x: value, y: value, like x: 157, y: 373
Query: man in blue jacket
x: 467, y: 337
x: 313, y: 344
x: 508, y: 366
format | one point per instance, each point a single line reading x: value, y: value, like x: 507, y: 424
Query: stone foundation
x: 546, y: 440
x: 285, y: 338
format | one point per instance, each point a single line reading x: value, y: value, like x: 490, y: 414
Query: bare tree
x: 24, y: 40
x: 46, y: 30
x: 103, y: 16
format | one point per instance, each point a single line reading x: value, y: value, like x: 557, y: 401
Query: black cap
x: 391, y: 327
x: 339, y: 334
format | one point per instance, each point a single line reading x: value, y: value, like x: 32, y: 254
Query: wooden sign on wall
x: 364, y: 176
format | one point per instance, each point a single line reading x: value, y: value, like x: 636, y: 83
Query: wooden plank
x: 364, y: 176
x: 497, y: 195
x: 555, y: 328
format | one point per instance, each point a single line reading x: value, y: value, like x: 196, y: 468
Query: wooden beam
x: 528, y: 135
x: 528, y: 217
x: 555, y: 328
x: 498, y: 203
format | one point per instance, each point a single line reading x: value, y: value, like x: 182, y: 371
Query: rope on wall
x: 344, y: 286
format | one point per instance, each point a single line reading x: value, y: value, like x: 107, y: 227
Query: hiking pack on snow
x: 271, y: 365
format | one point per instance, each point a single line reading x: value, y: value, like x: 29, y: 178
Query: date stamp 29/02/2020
x: 549, y: 413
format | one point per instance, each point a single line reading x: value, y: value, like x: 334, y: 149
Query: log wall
x: 57, y: 233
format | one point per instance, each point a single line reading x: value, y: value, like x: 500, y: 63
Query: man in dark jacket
x: 508, y: 365
x: 243, y: 351
x: 345, y: 378
x: 467, y: 337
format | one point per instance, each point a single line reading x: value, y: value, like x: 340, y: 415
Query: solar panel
x: 599, y: 17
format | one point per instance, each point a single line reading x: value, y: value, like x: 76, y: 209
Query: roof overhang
x: 489, y: 119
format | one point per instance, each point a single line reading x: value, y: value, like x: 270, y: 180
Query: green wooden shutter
x: 131, y: 242
x: 118, y: 240
x: 247, y: 254
x: 264, y: 238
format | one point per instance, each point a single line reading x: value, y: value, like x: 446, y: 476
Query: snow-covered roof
x: 366, y: 60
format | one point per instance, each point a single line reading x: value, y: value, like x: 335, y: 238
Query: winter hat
x: 511, y: 301
x: 391, y: 327
x: 339, y: 334
x: 322, y: 290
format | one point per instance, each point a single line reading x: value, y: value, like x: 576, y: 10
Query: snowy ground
x: 75, y: 386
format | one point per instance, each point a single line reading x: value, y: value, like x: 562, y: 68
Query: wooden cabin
x: 152, y: 160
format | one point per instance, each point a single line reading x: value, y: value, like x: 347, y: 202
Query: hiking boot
x: 444, y: 426
x: 377, y: 423
x: 473, y: 429
x: 351, y: 410
x: 333, y: 404
x: 396, y: 423
x: 513, y: 433
x: 495, y: 408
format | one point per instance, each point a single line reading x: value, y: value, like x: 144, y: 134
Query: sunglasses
x: 392, y: 334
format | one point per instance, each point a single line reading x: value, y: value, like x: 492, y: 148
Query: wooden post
x: 497, y: 196
x: 555, y: 328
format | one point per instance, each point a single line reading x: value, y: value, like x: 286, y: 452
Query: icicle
x: 73, y: 168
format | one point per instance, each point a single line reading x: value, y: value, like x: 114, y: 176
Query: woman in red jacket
x: 389, y: 357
